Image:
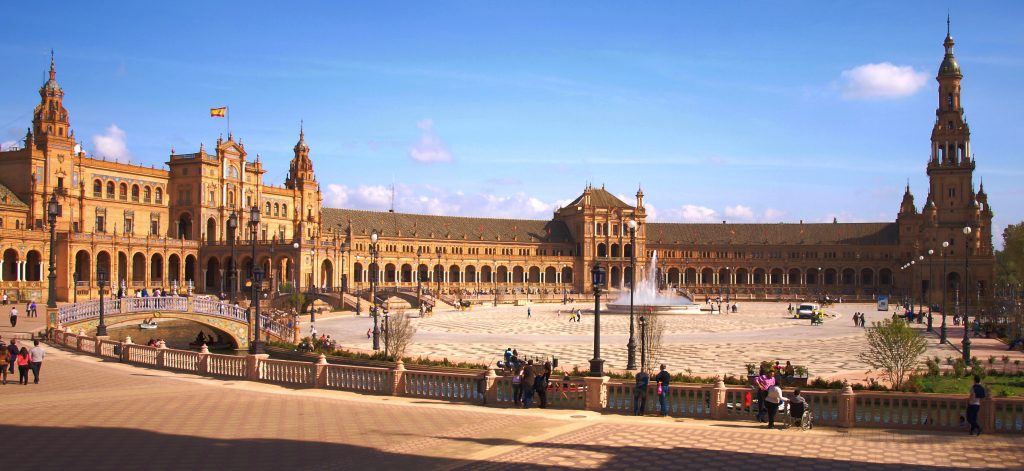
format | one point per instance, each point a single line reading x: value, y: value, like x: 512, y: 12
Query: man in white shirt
x: 14, y: 316
x: 35, y: 359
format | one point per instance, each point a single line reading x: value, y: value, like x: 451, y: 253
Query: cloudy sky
x: 780, y: 111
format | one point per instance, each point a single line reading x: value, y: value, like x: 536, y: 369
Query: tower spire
x: 53, y: 71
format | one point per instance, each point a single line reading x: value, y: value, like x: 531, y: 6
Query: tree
x: 297, y: 299
x: 400, y: 331
x: 1010, y: 260
x: 894, y: 348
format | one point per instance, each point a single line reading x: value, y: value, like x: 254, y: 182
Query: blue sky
x: 778, y: 111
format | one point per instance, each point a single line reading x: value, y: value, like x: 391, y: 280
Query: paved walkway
x: 95, y: 414
x: 706, y: 344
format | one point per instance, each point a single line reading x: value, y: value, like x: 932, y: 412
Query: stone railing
x: 843, y: 408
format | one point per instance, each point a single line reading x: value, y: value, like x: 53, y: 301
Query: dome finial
x: 53, y: 71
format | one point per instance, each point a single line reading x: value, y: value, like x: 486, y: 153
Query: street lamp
x: 913, y: 280
x: 643, y: 342
x: 373, y: 288
x: 920, y: 304
x: 344, y: 281
x: 931, y: 279
x: 101, y: 281
x: 598, y: 279
x: 631, y: 345
x: 419, y: 280
x: 295, y: 269
x: 967, y: 298
x: 386, y: 329
x: 257, y: 276
x: 53, y: 210
x: 233, y: 273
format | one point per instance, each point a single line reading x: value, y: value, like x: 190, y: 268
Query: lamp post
x: 344, y: 247
x: 631, y: 345
x: 373, y: 288
x: 257, y: 277
x: 643, y: 342
x: 967, y: 272
x: 931, y: 279
x: 945, y: 286
x: 295, y: 269
x: 101, y: 281
x: 386, y: 329
x: 913, y: 281
x: 598, y: 279
x: 233, y: 273
x: 920, y: 304
x: 419, y: 280
x: 53, y: 210
x: 74, y: 289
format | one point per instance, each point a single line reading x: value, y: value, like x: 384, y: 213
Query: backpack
x: 979, y: 391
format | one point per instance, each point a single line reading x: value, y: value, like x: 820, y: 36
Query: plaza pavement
x: 705, y: 344
x: 92, y: 414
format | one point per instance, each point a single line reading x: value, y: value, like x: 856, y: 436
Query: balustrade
x: 141, y: 354
x: 287, y: 372
x: 449, y: 386
x: 227, y: 365
x: 896, y: 410
x: 181, y: 360
x: 359, y: 378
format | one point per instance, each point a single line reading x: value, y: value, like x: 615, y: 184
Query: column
x: 1, y: 270
x: 204, y: 279
x: 41, y: 271
x: 23, y: 272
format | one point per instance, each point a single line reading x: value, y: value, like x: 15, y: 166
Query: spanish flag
x: 218, y: 112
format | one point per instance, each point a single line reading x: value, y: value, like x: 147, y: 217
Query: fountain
x: 646, y: 297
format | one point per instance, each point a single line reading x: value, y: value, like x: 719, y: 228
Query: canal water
x: 176, y: 333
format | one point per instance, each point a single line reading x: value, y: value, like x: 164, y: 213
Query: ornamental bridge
x: 229, y: 319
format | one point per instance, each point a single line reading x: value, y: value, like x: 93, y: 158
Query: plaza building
x: 171, y: 229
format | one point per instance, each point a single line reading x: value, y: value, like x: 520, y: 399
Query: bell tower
x: 951, y: 166
x: 302, y: 181
x: 50, y: 119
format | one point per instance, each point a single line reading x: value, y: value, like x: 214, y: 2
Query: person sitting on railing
x: 200, y: 338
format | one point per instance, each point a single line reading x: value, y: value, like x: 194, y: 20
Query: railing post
x: 123, y: 357
x: 252, y: 365
x: 718, y: 400
x: 988, y: 415
x: 321, y: 372
x: 597, y: 393
x: 491, y: 385
x: 847, y: 403
x: 78, y: 342
x: 204, y: 360
x: 98, y: 347
x: 398, y: 379
x: 190, y: 304
x: 161, y: 349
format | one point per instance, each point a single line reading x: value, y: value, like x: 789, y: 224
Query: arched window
x: 159, y: 195
x: 135, y: 193
x: 231, y: 199
x: 110, y: 190
x: 97, y: 188
x: 276, y: 209
x: 284, y: 210
x: 124, y: 192
x: 147, y: 195
x: 267, y: 210
x: 949, y: 101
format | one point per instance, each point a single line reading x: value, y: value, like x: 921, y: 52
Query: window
x: 159, y: 196
x: 212, y: 199
x: 129, y: 222
x: 124, y: 192
x: 284, y: 210
x: 135, y: 193
x: 949, y: 101
x: 267, y: 209
x: 97, y: 189
x: 60, y: 182
x: 110, y: 190
x: 147, y: 194
x: 154, y: 225
x: 231, y: 199
x: 101, y: 223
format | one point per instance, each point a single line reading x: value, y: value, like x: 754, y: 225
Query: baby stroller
x: 800, y: 416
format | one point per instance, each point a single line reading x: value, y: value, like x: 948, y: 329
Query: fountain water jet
x: 646, y: 297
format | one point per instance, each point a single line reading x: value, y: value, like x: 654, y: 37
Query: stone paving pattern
x: 706, y: 344
x: 89, y: 413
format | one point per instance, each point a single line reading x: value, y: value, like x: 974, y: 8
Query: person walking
x: 5, y: 359
x: 640, y: 392
x: 529, y: 312
x: 35, y: 360
x: 23, y: 361
x: 773, y: 400
x: 529, y: 376
x: 662, y: 379
x: 14, y: 316
x: 5, y: 299
x: 12, y: 350
x: 974, y: 405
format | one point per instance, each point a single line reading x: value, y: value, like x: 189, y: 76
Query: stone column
x: 718, y: 394
x: 398, y: 379
x: 847, y: 401
x: 252, y: 365
x: 204, y: 360
x: 596, y: 397
x: 321, y: 372
x: 41, y: 272
x: 491, y: 394
x: 1, y: 270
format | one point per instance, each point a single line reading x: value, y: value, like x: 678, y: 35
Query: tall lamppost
x: 233, y: 273
x: 598, y: 279
x: 53, y: 210
x: 373, y: 288
x: 386, y: 329
x: 967, y: 298
x: 257, y: 278
x: 631, y: 345
x: 344, y: 281
x: 931, y: 279
x: 920, y: 304
x: 643, y: 342
x: 945, y: 287
x: 295, y: 267
x: 913, y: 281
x: 101, y: 281
x: 419, y: 280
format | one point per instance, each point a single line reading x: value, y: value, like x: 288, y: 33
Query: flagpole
x: 227, y: 114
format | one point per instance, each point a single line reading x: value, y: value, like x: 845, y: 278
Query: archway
x: 867, y: 277
x: 390, y: 273
x: 82, y: 268
x: 550, y: 275
x: 406, y: 273
x: 138, y: 270
x: 173, y: 268
x: 10, y: 272
x: 673, y: 276
x: 741, y: 276
x: 502, y: 274
x: 103, y: 263
x: 33, y: 266
x: 486, y: 274
x: 812, y: 276
x: 830, y: 276
x: 423, y: 273
x: 190, y: 269
x: 470, y: 273
x: 615, y: 250
x: 759, y: 276
x: 517, y: 274
x: 848, y: 276
x: 953, y: 283
x: 534, y: 275
x: 627, y: 250
x: 438, y: 276
x: 615, y: 280
x: 690, y: 276
x: 213, y: 275
x: 776, y: 276
x: 357, y: 272
x: 122, y: 269
x: 156, y: 270
x: 567, y: 275
x: 211, y: 231
x: 885, y: 277
x: 723, y: 276
x: 185, y: 226
x: 602, y: 250
x: 326, y: 274
x: 627, y: 277
x: 707, y: 276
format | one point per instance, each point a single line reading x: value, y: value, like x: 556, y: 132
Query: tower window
x: 949, y: 125
x: 949, y: 101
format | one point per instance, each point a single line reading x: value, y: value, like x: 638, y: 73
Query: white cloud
x: 694, y: 213
x: 8, y: 144
x: 429, y: 148
x: 739, y: 212
x: 426, y: 199
x: 773, y: 215
x: 881, y: 81
x: 113, y: 145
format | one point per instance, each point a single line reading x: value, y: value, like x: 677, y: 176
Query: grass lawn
x: 1000, y: 386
